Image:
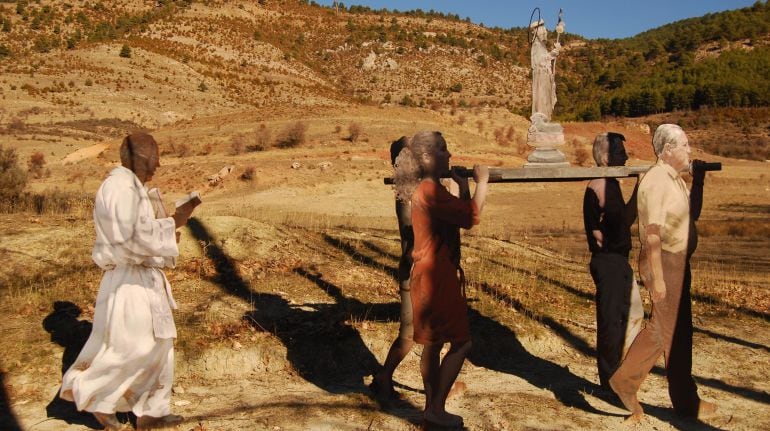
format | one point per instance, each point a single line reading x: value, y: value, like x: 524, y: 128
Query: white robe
x: 128, y: 361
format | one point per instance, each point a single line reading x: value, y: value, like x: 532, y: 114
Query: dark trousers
x: 669, y: 332
x: 613, y: 277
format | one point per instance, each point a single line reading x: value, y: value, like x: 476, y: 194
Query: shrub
x: 261, y: 139
x: 182, y: 150
x: 501, y: 138
x: 355, y: 132
x: 237, y: 145
x: 206, y: 149
x: 12, y: 178
x: 292, y: 136
x: 125, y: 51
x: 36, y: 164
x: 581, y: 156
x: 521, y: 145
x: 248, y: 173
x: 48, y: 202
x: 202, y: 86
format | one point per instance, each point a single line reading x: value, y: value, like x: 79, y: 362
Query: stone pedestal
x: 546, y: 143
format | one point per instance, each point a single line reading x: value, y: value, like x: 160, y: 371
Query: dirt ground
x: 288, y: 302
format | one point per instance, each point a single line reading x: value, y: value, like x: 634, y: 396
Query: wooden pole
x: 556, y: 174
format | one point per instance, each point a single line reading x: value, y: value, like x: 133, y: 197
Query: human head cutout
x: 672, y: 146
x: 139, y: 153
x: 608, y: 149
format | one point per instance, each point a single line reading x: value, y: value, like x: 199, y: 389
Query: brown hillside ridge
x: 285, y: 281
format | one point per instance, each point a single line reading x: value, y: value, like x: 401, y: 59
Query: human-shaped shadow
x: 496, y: 347
x: 322, y: 346
x: 7, y: 418
x: 71, y: 334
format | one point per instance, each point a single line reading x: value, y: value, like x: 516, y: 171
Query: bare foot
x: 629, y: 401
x: 150, y: 422
x: 109, y: 421
x: 634, y: 419
x: 706, y: 409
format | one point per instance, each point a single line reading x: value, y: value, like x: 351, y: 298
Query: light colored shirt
x: 663, y: 200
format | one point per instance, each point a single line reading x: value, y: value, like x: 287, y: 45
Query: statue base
x: 546, y: 154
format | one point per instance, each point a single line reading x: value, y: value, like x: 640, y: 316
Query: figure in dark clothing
x: 608, y: 219
x: 383, y: 380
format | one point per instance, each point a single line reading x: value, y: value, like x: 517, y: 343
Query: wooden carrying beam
x: 561, y: 174
x: 546, y: 174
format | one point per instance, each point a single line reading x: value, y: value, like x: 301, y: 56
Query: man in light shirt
x: 664, y: 222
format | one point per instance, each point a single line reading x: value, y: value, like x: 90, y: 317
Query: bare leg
x: 383, y: 380
x: 398, y: 351
x: 435, y: 410
x: 429, y: 368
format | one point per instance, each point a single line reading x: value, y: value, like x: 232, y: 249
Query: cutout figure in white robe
x: 127, y: 364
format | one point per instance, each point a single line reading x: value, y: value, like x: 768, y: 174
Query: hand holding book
x: 185, y: 207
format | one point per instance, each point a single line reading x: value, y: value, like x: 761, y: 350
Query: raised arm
x: 696, y: 191
x: 481, y: 176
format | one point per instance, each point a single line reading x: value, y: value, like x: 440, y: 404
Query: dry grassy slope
x: 215, y: 44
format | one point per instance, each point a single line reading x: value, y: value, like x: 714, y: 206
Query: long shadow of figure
x: 70, y: 333
x: 496, y: 347
x: 582, y: 346
x: 7, y: 418
x: 321, y: 345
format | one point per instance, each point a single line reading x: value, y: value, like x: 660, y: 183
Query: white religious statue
x: 544, y: 135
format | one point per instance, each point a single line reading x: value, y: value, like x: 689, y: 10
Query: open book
x: 193, y: 197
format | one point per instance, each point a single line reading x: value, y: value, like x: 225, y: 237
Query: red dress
x: 438, y: 304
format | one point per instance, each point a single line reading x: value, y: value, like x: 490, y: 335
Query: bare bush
x: 36, y: 164
x: 249, y: 173
x: 521, y: 145
x: 48, y: 202
x: 581, y: 154
x: 206, y: 149
x: 501, y: 137
x: 16, y: 125
x: 261, y: 139
x: 183, y: 150
x: 237, y: 145
x: 292, y: 136
x: 355, y: 131
x: 12, y: 178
